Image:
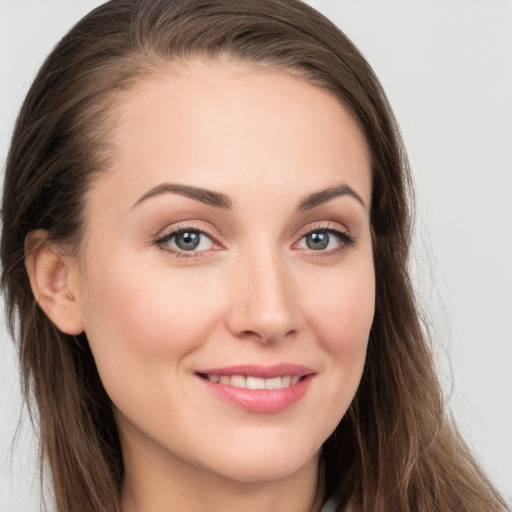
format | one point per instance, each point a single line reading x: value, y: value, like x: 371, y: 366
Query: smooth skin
x: 269, y: 273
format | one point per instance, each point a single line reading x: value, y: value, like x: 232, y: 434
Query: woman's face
x: 227, y: 281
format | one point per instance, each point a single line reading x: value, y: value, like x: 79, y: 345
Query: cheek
x: 341, y: 311
x: 139, y: 320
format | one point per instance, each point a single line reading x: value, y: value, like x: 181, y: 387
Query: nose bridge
x: 264, y: 303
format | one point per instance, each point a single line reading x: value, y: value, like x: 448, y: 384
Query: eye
x: 320, y: 240
x: 186, y: 240
x: 325, y: 240
x: 191, y: 240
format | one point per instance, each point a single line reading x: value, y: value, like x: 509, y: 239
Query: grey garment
x: 330, y: 506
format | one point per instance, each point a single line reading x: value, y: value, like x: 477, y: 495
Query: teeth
x: 276, y: 383
x: 255, y: 383
x: 239, y: 381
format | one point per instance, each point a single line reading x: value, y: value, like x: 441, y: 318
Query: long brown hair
x: 395, y: 449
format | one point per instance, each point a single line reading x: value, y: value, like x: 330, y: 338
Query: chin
x: 265, y: 465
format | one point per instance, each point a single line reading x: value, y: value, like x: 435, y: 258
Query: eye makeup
x: 188, y: 240
x: 324, y: 240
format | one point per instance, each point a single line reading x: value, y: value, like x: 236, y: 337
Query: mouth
x: 259, y: 388
x: 252, y: 382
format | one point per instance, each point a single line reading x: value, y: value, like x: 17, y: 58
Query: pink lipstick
x: 263, y: 389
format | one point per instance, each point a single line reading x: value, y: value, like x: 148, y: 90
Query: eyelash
x: 345, y: 240
x: 162, y: 241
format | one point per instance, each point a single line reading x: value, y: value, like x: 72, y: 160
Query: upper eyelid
x: 325, y: 226
x: 184, y: 226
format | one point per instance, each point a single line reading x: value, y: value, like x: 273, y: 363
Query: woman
x: 206, y: 249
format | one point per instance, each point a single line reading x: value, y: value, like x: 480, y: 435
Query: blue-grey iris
x: 318, y: 240
x: 188, y: 241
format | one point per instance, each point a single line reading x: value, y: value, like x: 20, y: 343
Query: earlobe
x: 52, y: 277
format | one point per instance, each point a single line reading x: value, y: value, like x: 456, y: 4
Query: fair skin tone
x: 179, y: 290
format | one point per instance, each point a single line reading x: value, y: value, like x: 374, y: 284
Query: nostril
x: 266, y: 338
x: 253, y: 334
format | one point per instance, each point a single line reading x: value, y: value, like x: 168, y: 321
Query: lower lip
x: 261, y: 400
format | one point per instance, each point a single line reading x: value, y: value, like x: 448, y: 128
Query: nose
x: 263, y: 300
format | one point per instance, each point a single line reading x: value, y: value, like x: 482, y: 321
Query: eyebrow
x: 220, y: 200
x: 318, y: 198
x: 199, y: 194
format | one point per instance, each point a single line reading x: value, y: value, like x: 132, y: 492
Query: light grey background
x: 447, y: 69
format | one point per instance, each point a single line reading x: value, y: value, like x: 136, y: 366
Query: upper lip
x: 264, y: 372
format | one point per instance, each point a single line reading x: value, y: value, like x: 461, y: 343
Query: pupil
x: 318, y: 240
x: 188, y: 241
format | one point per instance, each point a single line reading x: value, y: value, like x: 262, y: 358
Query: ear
x: 53, y: 279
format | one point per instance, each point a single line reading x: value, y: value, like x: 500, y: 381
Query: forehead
x: 226, y: 123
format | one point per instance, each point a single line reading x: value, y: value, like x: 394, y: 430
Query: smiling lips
x: 258, y: 388
x: 249, y: 382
